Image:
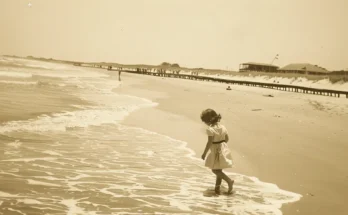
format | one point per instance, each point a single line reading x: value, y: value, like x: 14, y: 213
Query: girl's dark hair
x: 210, y: 117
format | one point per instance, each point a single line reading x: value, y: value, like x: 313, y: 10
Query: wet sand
x: 294, y: 140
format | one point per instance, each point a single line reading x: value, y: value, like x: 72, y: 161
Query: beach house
x: 304, y: 68
x: 257, y: 67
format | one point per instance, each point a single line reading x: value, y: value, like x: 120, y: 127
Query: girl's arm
x: 226, y: 138
x: 210, y: 141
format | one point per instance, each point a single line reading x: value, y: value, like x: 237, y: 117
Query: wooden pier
x: 283, y: 87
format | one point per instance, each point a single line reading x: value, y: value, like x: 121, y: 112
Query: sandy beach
x: 294, y: 140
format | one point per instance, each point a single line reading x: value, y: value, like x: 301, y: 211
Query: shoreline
x: 283, y: 158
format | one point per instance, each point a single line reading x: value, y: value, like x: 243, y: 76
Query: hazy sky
x: 193, y: 33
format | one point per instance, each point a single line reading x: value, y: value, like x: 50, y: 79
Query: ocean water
x: 64, y: 150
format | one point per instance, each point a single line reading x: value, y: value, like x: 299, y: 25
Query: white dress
x: 220, y: 155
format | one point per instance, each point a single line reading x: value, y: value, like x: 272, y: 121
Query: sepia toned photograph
x: 132, y: 107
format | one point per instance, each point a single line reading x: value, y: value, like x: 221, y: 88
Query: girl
x: 220, y: 155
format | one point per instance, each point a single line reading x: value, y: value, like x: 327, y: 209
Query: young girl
x: 220, y: 155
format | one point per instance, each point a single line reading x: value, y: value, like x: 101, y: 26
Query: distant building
x: 304, y: 68
x: 257, y: 67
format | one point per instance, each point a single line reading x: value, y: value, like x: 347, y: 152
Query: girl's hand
x: 203, y: 156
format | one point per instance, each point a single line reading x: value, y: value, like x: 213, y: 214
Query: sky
x: 217, y: 34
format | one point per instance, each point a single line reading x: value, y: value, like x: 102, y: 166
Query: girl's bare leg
x: 217, y: 182
x: 229, y: 182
